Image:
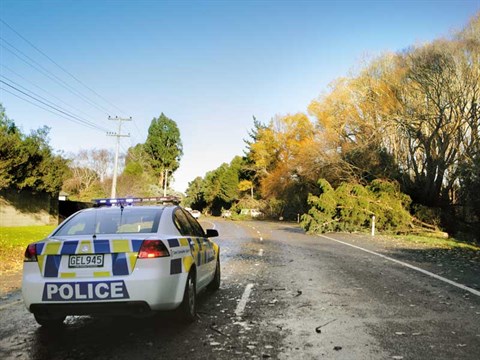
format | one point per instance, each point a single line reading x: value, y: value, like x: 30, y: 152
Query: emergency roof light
x: 131, y: 201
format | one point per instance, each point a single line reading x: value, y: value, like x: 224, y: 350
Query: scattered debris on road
x: 212, y: 327
x: 275, y: 289
x: 318, y: 328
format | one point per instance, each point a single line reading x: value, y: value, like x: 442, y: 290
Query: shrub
x: 351, y: 206
x: 323, y: 209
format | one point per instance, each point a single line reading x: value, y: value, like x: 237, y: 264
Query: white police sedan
x: 119, y: 260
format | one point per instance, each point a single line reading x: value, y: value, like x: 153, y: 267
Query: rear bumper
x: 150, y: 287
x: 117, y: 308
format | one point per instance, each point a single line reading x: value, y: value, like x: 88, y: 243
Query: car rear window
x: 129, y: 220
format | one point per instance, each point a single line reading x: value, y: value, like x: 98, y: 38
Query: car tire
x: 188, y: 308
x: 49, y: 321
x: 215, y: 283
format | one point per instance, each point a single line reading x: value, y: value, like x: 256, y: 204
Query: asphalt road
x: 286, y: 295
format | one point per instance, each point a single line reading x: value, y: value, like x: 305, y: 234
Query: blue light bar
x: 131, y: 201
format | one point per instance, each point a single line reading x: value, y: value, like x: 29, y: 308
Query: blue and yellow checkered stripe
x: 201, y: 252
x: 123, y: 253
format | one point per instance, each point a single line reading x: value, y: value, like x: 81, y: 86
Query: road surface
x: 286, y: 295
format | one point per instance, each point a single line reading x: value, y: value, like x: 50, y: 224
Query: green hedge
x: 350, y: 207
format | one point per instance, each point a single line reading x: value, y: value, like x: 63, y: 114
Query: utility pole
x: 118, y: 135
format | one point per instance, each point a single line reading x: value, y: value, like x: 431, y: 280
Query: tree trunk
x: 165, y: 179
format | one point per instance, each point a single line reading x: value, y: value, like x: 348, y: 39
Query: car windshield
x: 112, y: 221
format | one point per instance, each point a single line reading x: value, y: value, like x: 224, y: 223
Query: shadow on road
x: 292, y: 229
x: 84, y: 337
x: 462, y: 265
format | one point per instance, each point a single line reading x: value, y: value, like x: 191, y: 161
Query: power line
x: 48, y: 101
x: 44, y: 71
x: 72, y: 117
x: 136, y: 127
x: 45, y: 91
x: 41, y: 107
x: 61, y: 67
x: 56, y: 79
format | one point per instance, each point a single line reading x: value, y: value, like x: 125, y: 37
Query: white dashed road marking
x: 243, y: 301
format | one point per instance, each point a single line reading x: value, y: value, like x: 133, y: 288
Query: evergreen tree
x: 28, y: 161
x: 164, y: 148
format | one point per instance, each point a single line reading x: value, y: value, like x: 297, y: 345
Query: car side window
x: 195, y: 225
x: 182, y: 223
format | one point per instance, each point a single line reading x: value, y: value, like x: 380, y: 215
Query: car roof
x: 129, y: 201
x: 166, y: 224
x: 163, y: 206
x: 130, y: 208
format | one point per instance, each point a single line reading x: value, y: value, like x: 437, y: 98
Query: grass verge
x: 436, y: 242
x: 14, y: 240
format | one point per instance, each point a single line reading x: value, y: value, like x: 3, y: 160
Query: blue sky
x: 208, y: 65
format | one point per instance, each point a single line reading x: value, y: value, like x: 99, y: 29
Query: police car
x: 121, y: 259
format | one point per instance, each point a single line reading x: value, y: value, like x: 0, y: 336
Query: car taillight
x: 152, y: 249
x: 31, y: 253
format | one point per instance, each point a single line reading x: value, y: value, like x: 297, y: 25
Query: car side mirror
x: 211, y: 233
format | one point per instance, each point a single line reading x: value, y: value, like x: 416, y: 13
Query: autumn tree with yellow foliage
x: 277, y: 154
x: 410, y: 118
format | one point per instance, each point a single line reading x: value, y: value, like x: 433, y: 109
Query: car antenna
x: 94, y: 236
